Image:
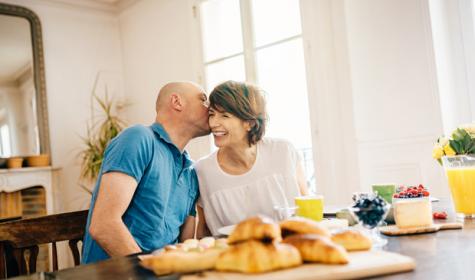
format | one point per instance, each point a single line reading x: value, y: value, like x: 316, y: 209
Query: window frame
x: 249, y: 46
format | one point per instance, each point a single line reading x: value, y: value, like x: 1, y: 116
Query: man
x: 146, y: 191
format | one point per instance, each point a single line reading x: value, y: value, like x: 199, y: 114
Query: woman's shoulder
x: 276, y: 143
x: 205, y: 162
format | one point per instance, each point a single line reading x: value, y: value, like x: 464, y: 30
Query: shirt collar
x: 160, y: 131
x: 158, y: 128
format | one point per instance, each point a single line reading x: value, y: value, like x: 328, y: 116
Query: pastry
x: 315, y: 248
x: 254, y: 257
x: 257, y: 228
x: 412, y: 212
x: 352, y: 240
x: 300, y: 225
x: 181, y: 262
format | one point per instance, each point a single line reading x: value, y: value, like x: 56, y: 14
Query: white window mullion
x: 248, y: 41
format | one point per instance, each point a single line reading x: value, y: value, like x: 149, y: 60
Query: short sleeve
x: 199, y: 202
x: 195, y: 193
x: 130, y: 152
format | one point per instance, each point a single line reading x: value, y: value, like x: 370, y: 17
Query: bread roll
x: 300, y: 225
x: 257, y: 228
x: 254, y: 257
x: 315, y: 248
x: 181, y: 262
x: 352, y: 240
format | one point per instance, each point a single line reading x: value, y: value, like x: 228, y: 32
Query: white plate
x: 226, y: 230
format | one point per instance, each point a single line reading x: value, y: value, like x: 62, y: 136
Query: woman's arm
x: 187, y: 230
x: 202, y: 229
x: 301, y: 179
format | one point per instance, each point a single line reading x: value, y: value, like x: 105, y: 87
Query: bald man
x: 146, y: 192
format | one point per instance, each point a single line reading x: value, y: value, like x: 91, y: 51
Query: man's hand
x: 107, y: 228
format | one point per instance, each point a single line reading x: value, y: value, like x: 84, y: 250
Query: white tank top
x: 228, y: 199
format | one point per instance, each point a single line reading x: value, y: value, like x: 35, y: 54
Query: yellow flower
x: 438, y: 151
x: 448, y: 150
x: 469, y: 128
x: 442, y: 141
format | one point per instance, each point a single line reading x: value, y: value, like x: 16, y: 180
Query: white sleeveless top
x: 228, y: 199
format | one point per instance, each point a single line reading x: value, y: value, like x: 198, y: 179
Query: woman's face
x: 227, y: 129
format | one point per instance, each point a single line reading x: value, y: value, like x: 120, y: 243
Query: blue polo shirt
x: 166, y: 192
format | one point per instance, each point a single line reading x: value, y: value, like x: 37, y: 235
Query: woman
x: 248, y: 174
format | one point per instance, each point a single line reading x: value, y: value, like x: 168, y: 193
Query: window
x: 260, y: 41
x: 5, y: 149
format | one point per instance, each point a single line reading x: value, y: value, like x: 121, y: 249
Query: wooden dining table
x: 447, y: 254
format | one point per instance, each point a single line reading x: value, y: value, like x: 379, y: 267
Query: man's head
x: 187, y: 104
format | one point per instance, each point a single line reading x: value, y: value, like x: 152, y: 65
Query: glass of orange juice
x: 460, y: 172
x: 310, y: 206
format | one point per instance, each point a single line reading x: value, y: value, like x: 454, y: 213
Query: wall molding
x: 109, y: 6
x: 399, y: 141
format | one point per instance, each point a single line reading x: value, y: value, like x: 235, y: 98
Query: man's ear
x: 176, y: 102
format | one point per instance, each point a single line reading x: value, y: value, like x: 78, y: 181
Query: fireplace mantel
x: 12, y: 180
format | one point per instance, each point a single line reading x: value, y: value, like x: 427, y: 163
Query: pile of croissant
x: 258, y: 244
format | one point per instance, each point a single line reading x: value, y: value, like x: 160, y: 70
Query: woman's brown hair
x: 245, y: 101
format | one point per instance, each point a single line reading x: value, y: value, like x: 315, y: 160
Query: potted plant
x: 100, y: 131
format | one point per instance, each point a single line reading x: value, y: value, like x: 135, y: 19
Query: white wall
x: 454, y: 41
x: 372, y: 80
x: 396, y: 105
x: 371, y: 71
x: 329, y: 90
x: 78, y: 43
x: 158, y: 47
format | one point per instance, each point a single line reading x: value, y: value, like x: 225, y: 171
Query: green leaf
x: 456, y: 146
x: 100, y: 131
x: 459, y: 134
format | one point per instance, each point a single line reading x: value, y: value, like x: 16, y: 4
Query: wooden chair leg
x: 55, y: 257
x: 32, y: 260
x: 18, y: 255
x: 73, y: 245
x: 11, y: 264
x: 3, y: 262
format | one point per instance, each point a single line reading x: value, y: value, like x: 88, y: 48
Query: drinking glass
x: 369, y: 211
x: 460, y: 172
x: 284, y: 212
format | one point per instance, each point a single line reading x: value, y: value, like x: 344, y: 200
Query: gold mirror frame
x: 38, y: 68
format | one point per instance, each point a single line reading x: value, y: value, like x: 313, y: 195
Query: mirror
x: 23, y: 112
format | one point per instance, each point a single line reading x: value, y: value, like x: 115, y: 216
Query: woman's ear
x: 250, y: 125
x: 176, y: 102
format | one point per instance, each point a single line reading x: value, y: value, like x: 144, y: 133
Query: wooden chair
x: 22, y: 236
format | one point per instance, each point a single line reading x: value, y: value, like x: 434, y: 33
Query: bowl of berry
x: 369, y: 210
x: 411, y: 192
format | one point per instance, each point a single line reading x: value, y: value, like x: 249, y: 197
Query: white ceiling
x: 15, y: 46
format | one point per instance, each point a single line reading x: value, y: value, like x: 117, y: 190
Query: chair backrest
x: 21, y: 236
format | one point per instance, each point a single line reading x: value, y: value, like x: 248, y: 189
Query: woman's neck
x: 237, y: 159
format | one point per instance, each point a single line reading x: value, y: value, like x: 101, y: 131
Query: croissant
x: 300, y: 225
x: 315, y: 248
x: 352, y: 240
x: 181, y: 262
x: 254, y: 257
x: 258, y: 228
